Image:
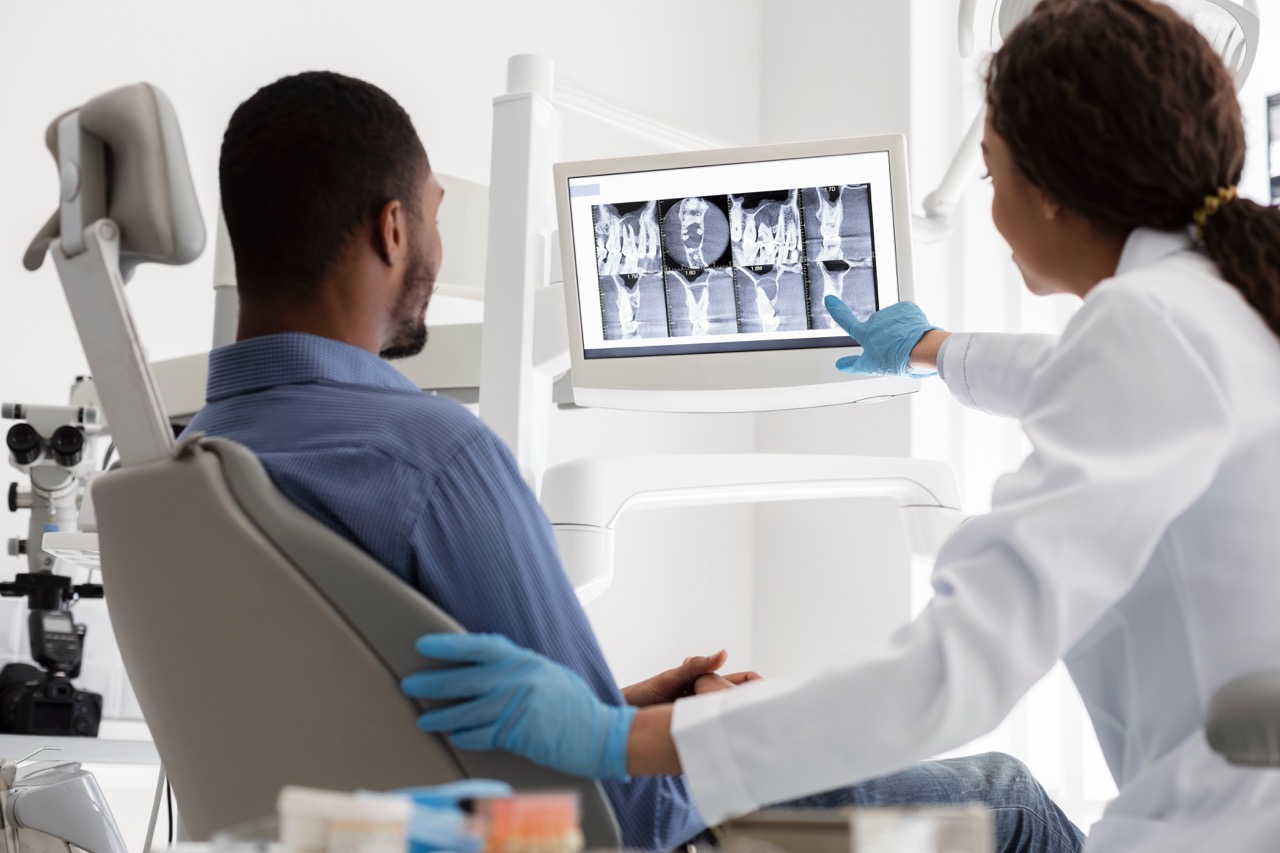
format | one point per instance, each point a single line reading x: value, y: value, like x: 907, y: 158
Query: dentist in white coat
x: 1140, y: 540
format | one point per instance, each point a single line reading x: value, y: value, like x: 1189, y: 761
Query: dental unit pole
x: 226, y: 301
x: 514, y: 393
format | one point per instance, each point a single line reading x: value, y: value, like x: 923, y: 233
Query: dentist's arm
x: 896, y: 341
x: 651, y: 751
x: 925, y: 355
x: 987, y: 372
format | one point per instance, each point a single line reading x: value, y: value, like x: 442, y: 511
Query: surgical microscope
x: 55, y: 447
x: 51, y: 806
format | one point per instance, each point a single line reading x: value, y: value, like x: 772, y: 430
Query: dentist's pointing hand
x: 887, y: 339
x: 519, y: 701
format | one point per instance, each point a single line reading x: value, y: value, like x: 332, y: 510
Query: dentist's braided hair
x: 1121, y: 112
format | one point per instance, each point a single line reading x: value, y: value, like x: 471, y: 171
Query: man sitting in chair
x: 331, y: 206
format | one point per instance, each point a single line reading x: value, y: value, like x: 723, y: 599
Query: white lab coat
x: 1139, y: 542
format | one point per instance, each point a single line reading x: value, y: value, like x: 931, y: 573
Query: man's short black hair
x: 305, y: 162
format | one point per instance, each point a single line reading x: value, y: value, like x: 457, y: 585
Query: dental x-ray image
x: 695, y: 232
x: 627, y: 238
x: 633, y: 306
x: 771, y: 298
x: 838, y: 245
x: 742, y: 263
x: 764, y: 228
x: 700, y: 302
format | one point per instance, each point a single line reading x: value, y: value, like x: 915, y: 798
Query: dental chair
x: 264, y: 648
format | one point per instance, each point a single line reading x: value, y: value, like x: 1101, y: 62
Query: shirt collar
x: 294, y: 358
x: 1145, y: 246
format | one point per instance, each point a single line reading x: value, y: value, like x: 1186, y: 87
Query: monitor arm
x: 939, y: 204
x: 1237, y: 46
x: 584, y: 498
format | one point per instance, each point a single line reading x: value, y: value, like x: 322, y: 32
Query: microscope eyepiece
x: 24, y: 443
x: 68, y: 445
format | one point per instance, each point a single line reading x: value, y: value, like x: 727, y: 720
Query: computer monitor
x: 694, y: 282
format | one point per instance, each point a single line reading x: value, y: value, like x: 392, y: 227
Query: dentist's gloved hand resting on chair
x: 896, y: 341
x: 515, y: 699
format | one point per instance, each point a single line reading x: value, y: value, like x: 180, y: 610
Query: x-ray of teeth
x: 633, y: 306
x: 837, y: 222
x: 764, y: 228
x: 771, y: 298
x: 627, y: 238
x: 700, y: 302
x: 695, y: 232
x: 853, y: 282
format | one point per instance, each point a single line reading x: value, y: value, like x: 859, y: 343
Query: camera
x: 35, y: 702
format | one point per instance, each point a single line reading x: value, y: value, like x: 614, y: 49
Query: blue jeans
x: 1026, y: 820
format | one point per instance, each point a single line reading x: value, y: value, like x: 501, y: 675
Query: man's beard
x: 411, y: 330
x: 410, y: 340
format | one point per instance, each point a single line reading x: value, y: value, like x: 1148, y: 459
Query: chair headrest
x: 143, y: 178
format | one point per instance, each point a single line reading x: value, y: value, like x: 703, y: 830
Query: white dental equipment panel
x: 695, y: 282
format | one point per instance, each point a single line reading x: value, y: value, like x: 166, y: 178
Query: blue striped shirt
x: 431, y: 493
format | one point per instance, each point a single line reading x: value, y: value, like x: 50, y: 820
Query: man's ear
x: 1049, y: 206
x: 391, y: 234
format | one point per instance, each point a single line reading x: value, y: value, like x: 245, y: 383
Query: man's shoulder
x: 414, y: 429
x: 428, y: 431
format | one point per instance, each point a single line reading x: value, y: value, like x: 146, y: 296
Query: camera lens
x: 68, y: 445
x: 24, y: 443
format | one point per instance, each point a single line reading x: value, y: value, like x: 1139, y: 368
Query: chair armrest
x: 1243, y: 723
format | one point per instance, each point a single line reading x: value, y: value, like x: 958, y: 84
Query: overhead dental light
x: 1232, y: 27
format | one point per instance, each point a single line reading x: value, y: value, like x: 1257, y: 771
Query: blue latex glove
x: 437, y: 821
x: 887, y: 338
x: 517, y: 700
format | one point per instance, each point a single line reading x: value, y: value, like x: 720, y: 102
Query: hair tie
x: 1211, y: 205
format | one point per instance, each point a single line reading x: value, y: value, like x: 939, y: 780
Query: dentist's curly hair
x: 306, y: 162
x: 1122, y: 112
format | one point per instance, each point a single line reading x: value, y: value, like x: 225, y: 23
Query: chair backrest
x: 266, y: 649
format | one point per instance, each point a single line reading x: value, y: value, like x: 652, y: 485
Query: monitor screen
x: 685, y: 265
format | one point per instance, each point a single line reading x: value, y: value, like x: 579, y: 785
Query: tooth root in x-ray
x: 627, y: 239
x: 633, y: 306
x: 838, y: 222
x: 853, y: 283
x: 700, y: 302
x: 765, y: 228
x: 695, y: 232
x: 771, y: 298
